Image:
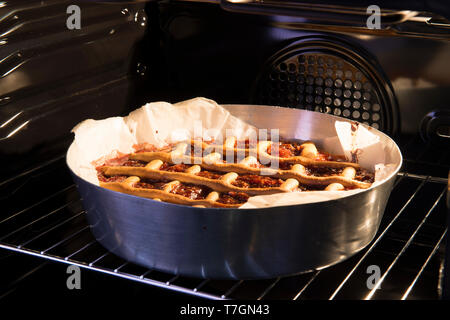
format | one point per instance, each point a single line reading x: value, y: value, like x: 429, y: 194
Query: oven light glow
x: 17, y: 129
x: 12, y: 69
x: 10, y: 119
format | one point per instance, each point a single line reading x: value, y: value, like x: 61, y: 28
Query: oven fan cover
x: 328, y: 76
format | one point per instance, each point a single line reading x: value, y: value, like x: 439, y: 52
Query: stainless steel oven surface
x: 62, y: 62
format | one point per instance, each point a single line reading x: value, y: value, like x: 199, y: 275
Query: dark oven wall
x: 53, y: 77
x: 239, y: 58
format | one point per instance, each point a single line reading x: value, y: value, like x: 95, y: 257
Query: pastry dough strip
x: 223, y: 184
x: 307, y: 156
x: 213, y: 162
x: 127, y: 186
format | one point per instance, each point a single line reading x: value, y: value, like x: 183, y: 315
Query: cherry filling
x: 323, y: 171
x: 181, y: 167
x: 304, y: 187
x: 361, y: 174
x: 237, y: 157
x: 150, y: 184
x: 255, y: 181
x: 286, y: 150
x: 191, y: 191
x: 232, y: 157
x: 210, y: 174
x: 233, y: 198
x: 285, y: 165
x: 134, y: 163
x: 103, y: 178
x: 364, y: 176
x: 256, y: 165
x: 294, y: 149
x: 245, y: 144
x: 197, y: 151
x: 323, y: 156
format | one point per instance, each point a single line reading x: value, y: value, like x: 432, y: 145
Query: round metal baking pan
x: 242, y: 243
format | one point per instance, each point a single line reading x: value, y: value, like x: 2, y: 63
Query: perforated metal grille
x: 325, y: 83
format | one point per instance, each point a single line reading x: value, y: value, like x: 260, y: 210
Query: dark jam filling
x: 197, y: 151
x: 245, y: 144
x: 256, y: 165
x: 233, y: 198
x: 294, y: 149
x: 285, y: 166
x: 361, y: 174
x: 303, y: 187
x: 323, y: 156
x: 238, y: 157
x: 255, y: 181
x: 181, y: 167
x: 150, y: 184
x: 210, y: 174
x: 103, y: 178
x: 286, y: 150
x: 232, y: 157
x: 323, y: 171
x: 134, y: 163
x: 364, y: 176
x: 191, y: 191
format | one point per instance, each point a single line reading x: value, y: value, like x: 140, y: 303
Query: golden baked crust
x: 128, y: 186
x: 225, y: 184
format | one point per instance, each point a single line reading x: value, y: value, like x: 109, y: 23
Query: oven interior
x: 127, y: 54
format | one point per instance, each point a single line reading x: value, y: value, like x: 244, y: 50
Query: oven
x: 314, y: 55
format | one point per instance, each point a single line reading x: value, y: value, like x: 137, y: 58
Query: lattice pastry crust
x: 307, y: 157
x: 228, y: 179
x: 129, y: 186
x: 249, y: 165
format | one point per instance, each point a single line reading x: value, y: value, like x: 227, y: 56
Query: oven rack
x: 42, y: 216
